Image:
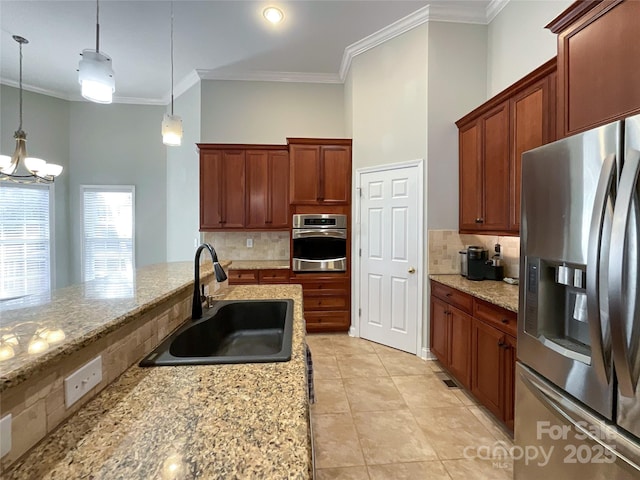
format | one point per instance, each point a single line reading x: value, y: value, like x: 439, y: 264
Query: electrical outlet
x: 5, y: 435
x: 249, y: 242
x: 82, y: 380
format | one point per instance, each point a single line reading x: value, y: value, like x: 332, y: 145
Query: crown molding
x: 34, y: 89
x: 440, y: 12
x: 264, y: 76
x: 183, y: 85
x: 494, y: 8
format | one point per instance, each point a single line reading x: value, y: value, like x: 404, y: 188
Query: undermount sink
x: 233, y: 331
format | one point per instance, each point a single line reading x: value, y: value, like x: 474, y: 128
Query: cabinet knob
x: 505, y: 320
x: 449, y: 294
x: 479, y: 220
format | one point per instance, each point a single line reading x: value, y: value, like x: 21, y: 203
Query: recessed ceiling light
x: 273, y: 14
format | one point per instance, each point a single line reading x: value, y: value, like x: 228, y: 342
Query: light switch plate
x: 5, y: 435
x: 82, y: 380
x: 249, y: 242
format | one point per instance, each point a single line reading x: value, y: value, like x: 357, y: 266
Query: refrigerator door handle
x: 596, y: 430
x: 623, y: 347
x: 598, y: 238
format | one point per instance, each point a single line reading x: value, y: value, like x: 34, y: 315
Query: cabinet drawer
x: 274, y: 276
x: 452, y: 296
x: 325, y: 302
x: 329, y: 321
x: 504, y: 320
x: 322, y: 286
x: 242, y: 277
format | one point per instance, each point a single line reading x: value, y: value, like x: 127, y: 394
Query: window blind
x: 25, y: 251
x: 107, y: 241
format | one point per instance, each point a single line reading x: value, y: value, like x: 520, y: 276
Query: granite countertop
x: 498, y: 293
x: 259, y: 264
x: 78, y: 315
x: 187, y: 422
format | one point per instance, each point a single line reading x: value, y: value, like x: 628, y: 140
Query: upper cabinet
x: 222, y: 188
x: 492, y: 139
x: 320, y: 172
x: 598, y: 63
x: 244, y: 186
x: 267, y: 189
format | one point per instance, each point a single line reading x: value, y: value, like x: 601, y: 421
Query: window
x: 107, y: 240
x: 25, y: 245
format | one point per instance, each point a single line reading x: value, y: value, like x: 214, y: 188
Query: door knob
x: 411, y: 270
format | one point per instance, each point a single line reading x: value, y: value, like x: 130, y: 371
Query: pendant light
x: 20, y: 168
x: 171, y: 124
x: 95, y: 72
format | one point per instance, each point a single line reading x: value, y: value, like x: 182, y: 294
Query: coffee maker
x: 479, y: 267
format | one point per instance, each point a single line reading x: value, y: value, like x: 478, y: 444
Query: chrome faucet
x: 196, y: 310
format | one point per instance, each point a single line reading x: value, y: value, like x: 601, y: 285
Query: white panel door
x: 389, y: 255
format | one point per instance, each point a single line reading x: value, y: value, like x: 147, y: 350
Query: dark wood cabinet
x: 267, y: 189
x: 222, y: 189
x: 491, y: 141
x: 326, y: 301
x: 258, y: 276
x: 475, y: 341
x: 531, y: 126
x: 244, y: 187
x: 451, y: 334
x: 598, y: 63
x: 320, y: 172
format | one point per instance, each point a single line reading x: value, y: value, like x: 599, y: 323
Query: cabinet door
x: 257, y: 162
x: 210, y: 191
x: 460, y: 346
x: 495, y: 139
x: 471, y: 193
x: 599, y: 67
x: 335, y: 175
x: 304, y: 174
x: 529, y: 129
x: 487, y: 353
x: 232, y: 186
x: 279, y: 214
x: 440, y: 330
x: 509, y: 356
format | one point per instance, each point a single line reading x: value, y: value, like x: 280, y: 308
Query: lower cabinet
x: 327, y: 302
x: 451, y: 339
x: 255, y: 277
x: 477, y: 346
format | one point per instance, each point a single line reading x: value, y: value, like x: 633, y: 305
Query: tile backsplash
x: 445, y: 245
x: 233, y: 245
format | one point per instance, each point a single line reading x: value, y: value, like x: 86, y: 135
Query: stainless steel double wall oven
x: 319, y: 243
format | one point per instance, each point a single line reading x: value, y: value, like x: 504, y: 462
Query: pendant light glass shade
x: 95, y: 76
x: 20, y: 168
x: 171, y: 130
x: 95, y: 71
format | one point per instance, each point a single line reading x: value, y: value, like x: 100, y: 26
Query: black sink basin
x: 246, y: 331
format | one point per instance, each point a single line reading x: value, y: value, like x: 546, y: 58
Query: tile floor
x: 384, y: 414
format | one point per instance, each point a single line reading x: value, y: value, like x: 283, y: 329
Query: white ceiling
x: 213, y: 39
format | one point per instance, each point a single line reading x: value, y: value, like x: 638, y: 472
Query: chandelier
x: 20, y: 168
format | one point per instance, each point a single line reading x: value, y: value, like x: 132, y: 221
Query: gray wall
x: 121, y: 145
x: 269, y: 112
x: 46, y: 122
x: 183, y: 203
x: 457, y: 84
x: 518, y: 41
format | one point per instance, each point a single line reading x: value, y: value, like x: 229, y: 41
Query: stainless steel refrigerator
x: 577, y: 413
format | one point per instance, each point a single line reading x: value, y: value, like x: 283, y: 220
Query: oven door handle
x: 321, y: 233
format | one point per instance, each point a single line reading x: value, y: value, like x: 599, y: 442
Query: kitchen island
x: 218, y: 421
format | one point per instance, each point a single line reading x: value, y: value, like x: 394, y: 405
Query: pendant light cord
x: 20, y: 125
x: 171, y: 58
x: 97, y: 25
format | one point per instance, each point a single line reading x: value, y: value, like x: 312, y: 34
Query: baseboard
x: 426, y: 354
x: 352, y: 331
